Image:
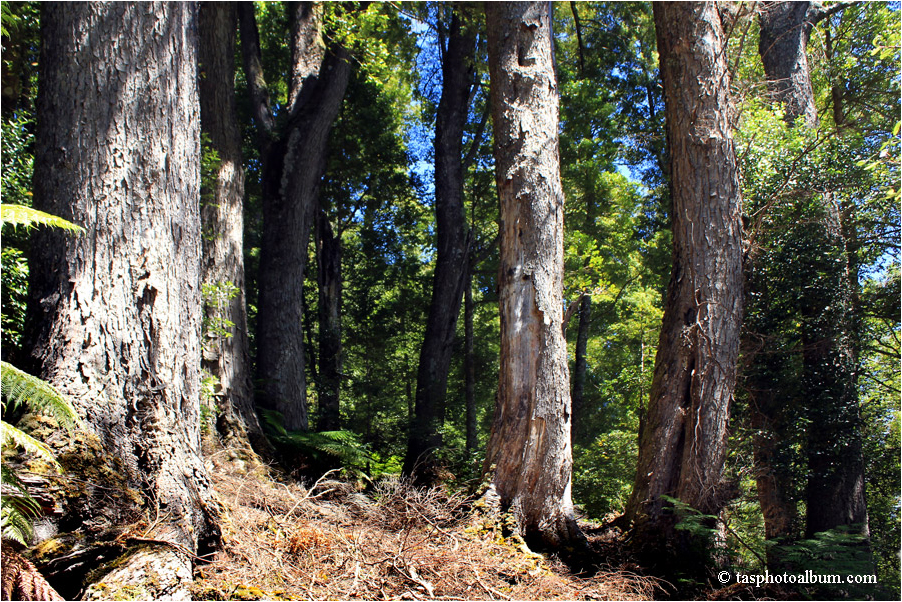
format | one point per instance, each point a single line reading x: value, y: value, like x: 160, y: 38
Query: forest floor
x: 330, y: 541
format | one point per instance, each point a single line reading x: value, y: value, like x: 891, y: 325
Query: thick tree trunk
x: 115, y: 312
x: 328, y: 253
x: 226, y: 357
x: 835, y: 489
x: 294, y: 160
x: 835, y: 466
x: 580, y: 365
x: 682, y: 442
x: 451, y: 256
x: 529, y: 454
x: 783, y: 43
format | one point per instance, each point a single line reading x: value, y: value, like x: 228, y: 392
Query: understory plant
x: 22, y: 391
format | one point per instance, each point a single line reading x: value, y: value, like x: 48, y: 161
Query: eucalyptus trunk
x: 328, y: 255
x: 529, y: 456
x: 226, y: 355
x: 294, y: 159
x: 451, y: 256
x: 683, y: 436
x: 472, y: 440
x: 835, y: 490
x: 115, y: 313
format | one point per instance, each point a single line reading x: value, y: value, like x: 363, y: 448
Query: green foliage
x: 23, y: 390
x: 843, y: 552
x: 603, y: 472
x: 311, y: 450
x: 210, y: 163
x: 14, y: 294
x: 17, y: 160
x: 18, y: 508
x: 18, y: 215
x: 217, y: 296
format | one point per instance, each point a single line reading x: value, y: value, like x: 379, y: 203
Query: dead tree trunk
x: 115, y: 313
x: 451, y: 256
x: 226, y: 355
x: 682, y: 442
x: 529, y: 454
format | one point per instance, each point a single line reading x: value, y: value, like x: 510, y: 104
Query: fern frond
x: 343, y: 445
x: 21, y: 388
x: 13, y: 437
x: 19, y: 215
x: 17, y: 507
x: 274, y: 422
x: 13, y: 524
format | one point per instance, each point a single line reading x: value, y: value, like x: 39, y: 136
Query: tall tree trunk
x: 682, y: 442
x: 580, y: 366
x: 783, y: 44
x: 529, y: 454
x: 328, y: 253
x: 294, y: 158
x: 115, y: 313
x: 835, y: 466
x: 451, y: 255
x: 470, y: 364
x: 226, y: 357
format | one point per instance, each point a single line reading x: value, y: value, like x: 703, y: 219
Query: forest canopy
x: 623, y: 275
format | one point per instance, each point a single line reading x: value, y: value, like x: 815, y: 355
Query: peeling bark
x: 683, y: 436
x: 529, y: 454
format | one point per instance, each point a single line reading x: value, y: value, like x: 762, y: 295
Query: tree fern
x: 344, y: 446
x: 19, y: 389
x: 18, y: 507
x: 19, y: 215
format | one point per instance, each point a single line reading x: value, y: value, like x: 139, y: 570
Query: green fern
x: 20, y: 389
x: 18, y: 507
x: 19, y: 215
x: 344, y: 446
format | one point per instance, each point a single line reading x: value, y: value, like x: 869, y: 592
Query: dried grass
x: 285, y: 541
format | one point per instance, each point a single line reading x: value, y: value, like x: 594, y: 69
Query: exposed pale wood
x: 529, y: 454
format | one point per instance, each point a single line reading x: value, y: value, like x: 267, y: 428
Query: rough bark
x: 835, y: 491
x: 115, y: 312
x: 683, y: 436
x: 294, y: 158
x: 222, y: 216
x: 328, y: 254
x: 451, y: 256
x: 783, y: 44
x: 529, y: 454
